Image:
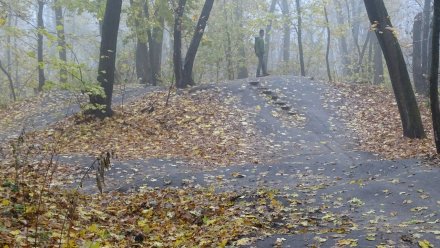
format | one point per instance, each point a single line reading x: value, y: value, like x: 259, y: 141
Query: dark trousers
x: 261, y: 65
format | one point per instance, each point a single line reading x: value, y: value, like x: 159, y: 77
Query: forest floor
x: 287, y: 163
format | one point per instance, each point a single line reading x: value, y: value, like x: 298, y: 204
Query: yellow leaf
x: 243, y: 241
x: 347, y: 242
x: 223, y: 243
x: 15, y: 233
x: 425, y: 244
x: 93, y: 228
x: 5, y: 202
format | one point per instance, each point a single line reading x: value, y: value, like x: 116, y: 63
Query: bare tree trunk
x: 228, y: 48
x: 11, y: 82
x: 378, y: 63
x: 17, y: 67
x: 370, y: 59
x: 155, y: 39
x: 8, y: 71
x: 286, y: 28
x: 362, y: 54
x: 327, y: 54
x: 107, y: 58
x: 406, y: 101
x: 62, y: 51
x: 343, y: 41
x: 419, y: 81
x: 435, y: 110
x: 356, y: 7
x: 187, y: 78
x: 158, y: 48
x: 300, y: 45
x: 425, y: 41
x: 40, y: 58
x: 142, y: 53
x: 143, y: 69
x: 268, y: 33
x: 242, y: 68
x: 177, y: 54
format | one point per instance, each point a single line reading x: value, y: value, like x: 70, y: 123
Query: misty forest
x: 219, y: 123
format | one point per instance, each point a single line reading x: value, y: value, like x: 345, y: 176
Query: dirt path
x: 51, y: 109
x: 394, y: 203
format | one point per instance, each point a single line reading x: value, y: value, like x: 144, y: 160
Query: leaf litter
x: 201, y: 127
x: 372, y: 114
x: 34, y: 212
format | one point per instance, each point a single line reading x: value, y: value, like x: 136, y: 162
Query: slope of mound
x: 205, y: 127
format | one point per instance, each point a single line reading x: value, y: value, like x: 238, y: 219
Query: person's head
x: 261, y: 33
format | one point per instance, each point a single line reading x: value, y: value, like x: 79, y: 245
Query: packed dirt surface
x: 371, y: 113
x: 316, y: 189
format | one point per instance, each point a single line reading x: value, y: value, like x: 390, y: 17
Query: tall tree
x: 435, y: 110
x: 300, y: 44
x: 107, y: 59
x: 425, y: 41
x: 187, y: 78
x: 356, y: 8
x: 419, y: 81
x: 242, y: 69
x: 7, y: 71
x: 378, y: 63
x: 142, y: 53
x: 177, y: 44
x: 269, y: 32
x: 406, y: 101
x: 40, y: 49
x: 327, y: 53
x: 343, y: 46
x: 228, y: 45
x: 11, y: 82
x: 286, y: 30
x: 62, y: 48
x: 155, y: 41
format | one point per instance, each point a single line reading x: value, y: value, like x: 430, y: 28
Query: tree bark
x: 286, y: 30
x: 300, y: 45
x: 378, y: 63
x: 406, y: 101
x: 155, y: 41
x: 142, y: 53
x: 355, y: 23
x: 343, y: 41
x: 370, y: 63
x: 419, y: 81
x: 425, y: 41
x: 62, y: 51
x: 435, y: 110
x: 187, y: 78
x: 8, y: 70
x: 362, y: 54
x: 40, y: 56
x: 107, y: 58
x: 157, y: 46
x: 228, y: 48
x: 242, y: 68
x: 143, y: 69
x: 327, y: 53
x: 11, y: 82
x: 177, y: 44
x: 268, y: 33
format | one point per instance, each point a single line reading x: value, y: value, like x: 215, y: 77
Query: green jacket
x: 259, y: 46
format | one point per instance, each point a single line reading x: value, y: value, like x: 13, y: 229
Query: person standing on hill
x: 259, y: 51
